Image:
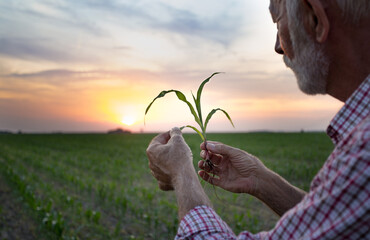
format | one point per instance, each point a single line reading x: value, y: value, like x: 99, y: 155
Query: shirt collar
x: 352, y: 113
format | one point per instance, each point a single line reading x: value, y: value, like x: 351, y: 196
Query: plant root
x: 209, y: 165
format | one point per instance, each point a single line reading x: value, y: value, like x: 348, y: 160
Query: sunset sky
x: 89, y: 65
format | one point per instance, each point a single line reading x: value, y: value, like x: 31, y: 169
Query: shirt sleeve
x: 202, y: 222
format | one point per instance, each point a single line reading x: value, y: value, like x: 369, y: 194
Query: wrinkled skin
x: 235, y: 170
x: 168, y: 154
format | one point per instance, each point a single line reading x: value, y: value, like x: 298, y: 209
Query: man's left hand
x: 168, y: 156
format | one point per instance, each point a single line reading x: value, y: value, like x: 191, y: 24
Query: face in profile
x: 309, y: 62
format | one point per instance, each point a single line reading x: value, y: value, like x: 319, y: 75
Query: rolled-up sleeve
x: 202, y: 222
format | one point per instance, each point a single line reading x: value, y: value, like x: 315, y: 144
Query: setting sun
x: 128, y: 120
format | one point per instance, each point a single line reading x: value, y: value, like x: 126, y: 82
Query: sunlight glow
x: 128, y: 120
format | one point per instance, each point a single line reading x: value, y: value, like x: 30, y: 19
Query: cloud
x: 154, y: 15
x: 59, y: 73
x: 123, y: 48
x: 29, y: 49
x: 222, y: 88
x: 87, y: 31
x: 247, y: 84
x: 33, y: 13
x: 222, y: 28
x: 52, y: 79
x: 72, y: 74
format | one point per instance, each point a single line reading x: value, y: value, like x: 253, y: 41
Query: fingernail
x: 203, y: 153
x: 211, y: 146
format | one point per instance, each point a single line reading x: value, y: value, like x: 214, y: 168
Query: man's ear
x: 316, y: 20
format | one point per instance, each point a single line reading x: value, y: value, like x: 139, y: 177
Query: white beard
x: 310, y: 65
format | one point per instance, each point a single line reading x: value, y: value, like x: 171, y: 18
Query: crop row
x: 89, y: 197
x: 99, y: 186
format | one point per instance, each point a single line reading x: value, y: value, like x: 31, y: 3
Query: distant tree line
x: 5, y: 132
x: 119, y: 131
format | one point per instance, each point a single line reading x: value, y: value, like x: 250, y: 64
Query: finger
x: 209, y: 168
x: 208, y: 178
x: 156, y: 175
x: 161, y: 138
x: 161, y: 178
x: 159, y: 174
x: 155, y: 170
x: 153, y: 150
x: 214, y: 158
x: 204, y: 153
x: 220, y: 148
x: 202, y: 165
x: 203, y: 144
x: 176, y: 135
x: 164, y: 186
x: 175, y: 131
x: 156, y: 143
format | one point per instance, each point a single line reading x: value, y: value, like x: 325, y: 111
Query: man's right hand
x: 234, y: 170
x: 240, y: 172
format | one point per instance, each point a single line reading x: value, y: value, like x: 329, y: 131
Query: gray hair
x: 354, y: 10
x: 310, y: 64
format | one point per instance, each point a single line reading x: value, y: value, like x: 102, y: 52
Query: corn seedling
x: 197, y: 113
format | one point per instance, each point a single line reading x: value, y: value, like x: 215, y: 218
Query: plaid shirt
x: 338, y: 203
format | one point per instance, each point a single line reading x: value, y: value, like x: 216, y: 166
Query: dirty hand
x: 233, y: 169
x: 169, y: 156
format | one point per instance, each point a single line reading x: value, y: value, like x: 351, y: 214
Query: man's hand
x: 238, y: 171
x: 168, y: 156
x: 235, y: 170
x: 170, y: 161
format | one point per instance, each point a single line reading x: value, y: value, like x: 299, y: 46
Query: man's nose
x: 278, y: 48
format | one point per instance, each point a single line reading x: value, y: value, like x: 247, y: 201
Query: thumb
x: 175, y: 132
x: 176, y: 136
x: 220, y: 148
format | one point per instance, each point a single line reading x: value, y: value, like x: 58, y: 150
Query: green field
x: 97, y: 186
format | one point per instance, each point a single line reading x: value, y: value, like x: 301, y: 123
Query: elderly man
x: 326, y: 44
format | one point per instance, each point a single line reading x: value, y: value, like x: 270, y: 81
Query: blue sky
x: 85, y: 65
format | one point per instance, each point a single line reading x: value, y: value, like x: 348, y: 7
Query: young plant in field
x: 196, y: 112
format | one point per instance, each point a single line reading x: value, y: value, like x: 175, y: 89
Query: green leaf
x: 199, y: 94
x: 159, y: 96
x: 195, y: 101
x: 195, y: 129
x: 181, y: 97
x: 213, y: 112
